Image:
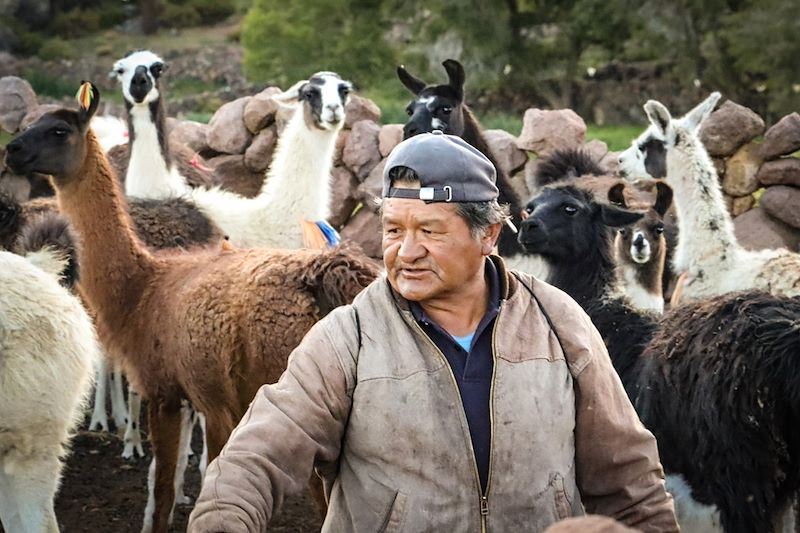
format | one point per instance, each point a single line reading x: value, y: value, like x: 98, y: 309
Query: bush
x: 75, y: 23
x: 287, y: 41
x: 46, y: 85
x: 187, y: 13
x: 56, y: 48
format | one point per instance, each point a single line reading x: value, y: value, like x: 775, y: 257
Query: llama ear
x: 616, y: 195
x: 615, y: 217
x: 663, y: 198
x: 415, y: 85
x: 88, y: 100
x: 658, y: 115
x: 455, y: 73
x: 156, y: 69
x: 694, y: 118
x: 291, y: 94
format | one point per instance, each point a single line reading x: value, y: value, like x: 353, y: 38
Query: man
x: 451, y: 396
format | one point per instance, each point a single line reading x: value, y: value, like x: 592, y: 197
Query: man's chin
x: 414, y: 290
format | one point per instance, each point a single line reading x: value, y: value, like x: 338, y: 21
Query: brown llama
x: 210, y: 325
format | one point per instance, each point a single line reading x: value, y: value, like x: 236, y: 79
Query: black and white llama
x: 151, y: 172
x: 442, y: 107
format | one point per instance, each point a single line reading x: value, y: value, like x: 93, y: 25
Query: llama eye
x: 447, y: 110
x: 409, y: 112
x: 570, y: 210
x: 59, y: 132
x: 658, y: 230
x: 623, y: 232
x: 345, y: 90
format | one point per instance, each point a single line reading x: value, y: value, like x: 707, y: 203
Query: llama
x: 707, y: 250
x: 150, y: 169
x: 641, y: 250
x: 705, y: 379
x: 209, y: 326
x: 645, y: 271
x: 442, y: 107
x: 49, y: 350
x: 297, y: 186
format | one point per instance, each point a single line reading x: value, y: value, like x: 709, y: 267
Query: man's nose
x: 410, y: 248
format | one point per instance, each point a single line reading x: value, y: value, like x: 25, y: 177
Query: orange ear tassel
x: 312, y: 236
x: 84, y: 95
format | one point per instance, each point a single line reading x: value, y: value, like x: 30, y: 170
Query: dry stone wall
x: 760, y: 179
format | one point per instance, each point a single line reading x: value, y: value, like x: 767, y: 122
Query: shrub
x: 75, y: 23
x: 56, y: 48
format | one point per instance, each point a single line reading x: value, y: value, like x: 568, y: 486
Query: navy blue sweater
x: 472, y: 370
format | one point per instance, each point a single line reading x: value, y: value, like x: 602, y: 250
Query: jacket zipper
x: 484, y: 496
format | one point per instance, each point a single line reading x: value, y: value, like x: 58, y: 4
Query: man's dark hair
x: 478, y: 215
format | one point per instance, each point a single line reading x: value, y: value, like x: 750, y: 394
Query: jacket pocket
x: 394, y: 514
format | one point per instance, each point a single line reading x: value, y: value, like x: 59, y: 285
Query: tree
x: 288, y: 41
x: 149, y: 9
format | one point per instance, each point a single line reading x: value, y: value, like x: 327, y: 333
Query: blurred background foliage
x: 583, y: 54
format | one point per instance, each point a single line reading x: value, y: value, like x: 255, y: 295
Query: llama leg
x: 34, y: 485
x: 133, y: 437
x: 219, y: 426
x: 185, y: 447
x: 118, y: 410
x: 203, y: 458
x: 317, y: 491
x: 99, y: 416
x: 9, y: 516
x: 165, y: 428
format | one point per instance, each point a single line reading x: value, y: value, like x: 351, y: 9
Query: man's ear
x: 489, y: 238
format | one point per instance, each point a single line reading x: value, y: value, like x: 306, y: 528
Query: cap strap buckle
x: 427, y: 194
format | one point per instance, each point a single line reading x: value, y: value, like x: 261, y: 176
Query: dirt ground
x: 103, y: 493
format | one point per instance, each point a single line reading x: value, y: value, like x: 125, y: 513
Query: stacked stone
x: 19, y: 108
x: 754, y: 173
x: 239, y: 141
x: 543, y: 132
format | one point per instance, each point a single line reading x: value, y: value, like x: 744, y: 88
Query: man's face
x: 428, y: 249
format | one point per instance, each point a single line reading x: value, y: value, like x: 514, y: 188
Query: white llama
x: 297, y: 186
x: 48, y: 351
x: 707, y: 252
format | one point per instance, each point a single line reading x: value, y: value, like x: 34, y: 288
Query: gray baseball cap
x: 449, y: 169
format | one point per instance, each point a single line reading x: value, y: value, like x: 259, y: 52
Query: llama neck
x: 642, y: 284
x: 507, y: 244
x: 591, y: 277
x: 298, y: 181
x: 706, y: 230
x: 150, y: 171
x: 111, y: 258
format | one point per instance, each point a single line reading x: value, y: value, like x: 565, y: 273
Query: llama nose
x: 638, y: 242
x: 14, y: 146
x: 410, y: 129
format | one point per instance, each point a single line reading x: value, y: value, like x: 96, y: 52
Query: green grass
x: 617, y: 138
x: 500, y: 121
x: 198, y: 116
x: 191, y: 86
